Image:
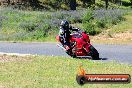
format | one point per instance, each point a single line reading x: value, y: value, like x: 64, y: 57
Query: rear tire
x: 94, y: 53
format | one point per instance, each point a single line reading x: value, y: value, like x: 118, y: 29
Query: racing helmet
x: 64, y: 24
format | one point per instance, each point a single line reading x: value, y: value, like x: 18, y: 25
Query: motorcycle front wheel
x: 94, y: 53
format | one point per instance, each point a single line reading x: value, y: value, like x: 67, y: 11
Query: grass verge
x: 123, y: 26
x: 117, y: 34
x: 20, y: 25
x: 54, y: 72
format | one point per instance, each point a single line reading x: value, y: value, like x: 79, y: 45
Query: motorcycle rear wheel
x: 70, y: 53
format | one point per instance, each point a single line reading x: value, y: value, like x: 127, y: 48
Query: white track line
x: 18, y: 54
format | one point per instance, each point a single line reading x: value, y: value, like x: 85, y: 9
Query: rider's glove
x: 66, y: 47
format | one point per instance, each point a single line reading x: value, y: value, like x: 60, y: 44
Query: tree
x: 87, y: 3
x: 72, y: 4
x: 34, y: 3
x: 131, y: 2
x: 8, y: 1
x: 106, y: 3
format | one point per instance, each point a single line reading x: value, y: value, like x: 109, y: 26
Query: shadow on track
x: 92, y: 59
x: 103, y: 58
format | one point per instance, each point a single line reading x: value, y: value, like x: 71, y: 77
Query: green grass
x: 42, y: 26
x: 126, y: 0
x: 123, y: 26
x: 55, y: 72
x: 20, y: 25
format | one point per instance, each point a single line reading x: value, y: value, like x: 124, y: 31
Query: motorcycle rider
x: 64, y: 38
x: 64, y: 33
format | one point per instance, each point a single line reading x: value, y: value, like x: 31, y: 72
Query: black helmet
x: 64, y: 24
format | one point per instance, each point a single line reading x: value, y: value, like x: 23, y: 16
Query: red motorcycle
x: 79, y: 46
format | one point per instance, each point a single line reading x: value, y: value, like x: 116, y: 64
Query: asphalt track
x: 119, y: 53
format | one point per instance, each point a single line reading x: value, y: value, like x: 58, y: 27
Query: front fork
x: 87, y: 47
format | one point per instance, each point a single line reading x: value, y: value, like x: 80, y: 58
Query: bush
x: 91, y: 28
x: 88, y: 16
x: 89, y: 24
x: 36, y: 24
x: 29, y: 26
x: 101, y: 23
x: 96, y: 20
x: 108, y: 17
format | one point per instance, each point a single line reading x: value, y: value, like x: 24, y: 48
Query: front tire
x: 94, y: 53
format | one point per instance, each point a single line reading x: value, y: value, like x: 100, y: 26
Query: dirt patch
x: 123, y: 36
x: 15, y: 58
x: 2, y: 86
x: 119, y: 38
